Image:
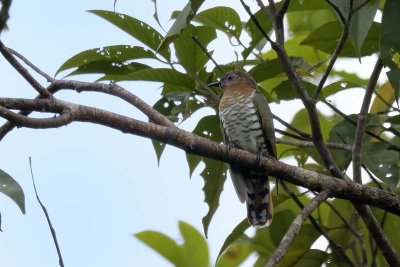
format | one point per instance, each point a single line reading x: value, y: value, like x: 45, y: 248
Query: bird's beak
x: 214, y: 84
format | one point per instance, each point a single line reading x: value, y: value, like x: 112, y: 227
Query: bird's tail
x: 259, y: 202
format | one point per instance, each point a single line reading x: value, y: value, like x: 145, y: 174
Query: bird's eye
x: 230, y: 77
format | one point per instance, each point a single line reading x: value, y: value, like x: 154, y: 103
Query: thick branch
x: 201, y: 146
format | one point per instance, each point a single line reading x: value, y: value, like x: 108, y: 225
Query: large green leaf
x: 361, y: 20
x: 195, y: 247
x: 214, y: 175
x: 214, y: 172
x: 258, y: 40
x: 390, y: 43
x: 99, y: 60
x: 167, y: 76
x: 10, y: 188
x: 236, y: 253
x: 221, y: 18
x: 236, y: 233
x: 136, y: 28
x: 326, y: 37
x: 163, y: 245
x: 190, y: 56
x: 181, y: 22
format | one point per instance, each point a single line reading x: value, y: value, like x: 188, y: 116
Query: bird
x: 247, y: 123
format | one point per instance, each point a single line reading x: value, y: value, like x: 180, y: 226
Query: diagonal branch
x: 23, y: 71
x: 362, y: 116
x: 295, y: 227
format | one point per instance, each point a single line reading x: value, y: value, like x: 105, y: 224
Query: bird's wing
x: 265, y: 116
x: 236, y: 174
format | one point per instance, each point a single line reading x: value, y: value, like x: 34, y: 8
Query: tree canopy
x: 344, y: 187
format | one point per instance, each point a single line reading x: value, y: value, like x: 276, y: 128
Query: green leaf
x: 311, y: 18
x: 190, y: 56
x: 163, y: 245
x: 136, y: 28
x: 300, y: 246
x: 236, y: 233
x: 181, y: 22
x: 99, y: 60
x: 284, y: 90
x: 386, y: 92
x: 236, y: 253
x: 278, y: 230
x: 159, y: 149
x: 360, y: 22
x: 338, y: 86
x: 390, y: 43
x: 339, y: 232
x: 383, y: 162
x: 167, y: 76
x: 326, y: 37
x: 313, y: 257
x: 214, y: 175
x: 195, y: 247
x: 258, y: 41
x: 10, y: 188
x: 221, y: 18
x: 214, y: 172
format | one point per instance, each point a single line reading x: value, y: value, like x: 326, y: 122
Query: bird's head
x: 235, y: 79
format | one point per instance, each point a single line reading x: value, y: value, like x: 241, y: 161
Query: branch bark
x: 295, y: 227
x: 191, y: 143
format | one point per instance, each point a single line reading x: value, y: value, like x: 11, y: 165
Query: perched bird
x: 246, y: 123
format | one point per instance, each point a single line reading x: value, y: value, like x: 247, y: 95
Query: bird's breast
x: 242, y: 126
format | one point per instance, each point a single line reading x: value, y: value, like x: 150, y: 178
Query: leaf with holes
x: 190, y: 56
x: 221, y: 18
x: 10, y: 188
x: 136, y: 28
x: 383, y: 162
x: 167, y: 76
x: 110, y: 59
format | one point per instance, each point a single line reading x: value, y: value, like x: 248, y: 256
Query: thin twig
x: 24, y: 72
x: 254, y: 19
x: 347, y: 118
x: 32, y: 66
x: 295, y: 227
x: 205, y: 51
x: 53, y: 232
x: 294, y: 129
x: 362, y: 117
x: 340, y: 14
x: 340, y: 146
x: 338, y: 249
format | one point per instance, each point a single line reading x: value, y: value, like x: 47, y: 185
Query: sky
x: 99, y: 186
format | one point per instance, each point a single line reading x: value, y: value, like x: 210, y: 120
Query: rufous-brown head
x: 235, y: 79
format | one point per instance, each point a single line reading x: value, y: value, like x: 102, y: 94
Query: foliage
x: 314, y: 28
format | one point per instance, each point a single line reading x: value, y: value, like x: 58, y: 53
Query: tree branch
x: 362, y: 116
x: 24, y: 72
x: 295, y: 227
x: 194, y: 144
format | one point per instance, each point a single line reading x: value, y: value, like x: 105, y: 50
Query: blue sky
x: 100, y: 186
